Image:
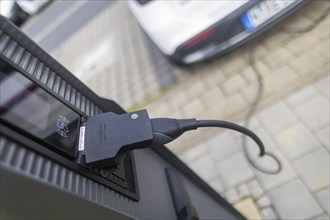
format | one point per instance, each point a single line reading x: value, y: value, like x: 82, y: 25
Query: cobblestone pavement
x: 292, y: 118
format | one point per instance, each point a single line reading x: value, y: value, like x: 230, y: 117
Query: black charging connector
x: 108, y: 136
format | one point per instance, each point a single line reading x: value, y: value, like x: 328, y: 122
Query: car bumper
x: 18, y: 15
x: 229, y: 34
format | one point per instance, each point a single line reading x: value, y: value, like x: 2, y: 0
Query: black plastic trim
x: 184, y: 209
x: 33, y: 48
x: 37, y: 147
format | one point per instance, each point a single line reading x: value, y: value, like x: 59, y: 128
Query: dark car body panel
x: 229, y: 28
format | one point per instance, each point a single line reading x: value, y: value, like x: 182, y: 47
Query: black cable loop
x: 260, y: 91
x: 249, y: 115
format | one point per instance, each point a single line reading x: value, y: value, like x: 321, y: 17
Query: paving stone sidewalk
x: 292, y: 118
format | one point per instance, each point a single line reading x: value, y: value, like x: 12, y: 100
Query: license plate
x: 262, y: 12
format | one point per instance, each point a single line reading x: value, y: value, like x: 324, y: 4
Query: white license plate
x: 262, y: 12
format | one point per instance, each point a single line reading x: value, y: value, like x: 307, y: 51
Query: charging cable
x: 260, y: 91
x: 109, y: 135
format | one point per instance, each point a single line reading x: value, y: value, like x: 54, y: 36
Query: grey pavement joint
x: 315, y: 113
x: 300, y: 204
x: 314, y: 169
x: 323, y: 198
x: 235, y: 170
x: 296, y: 141
x: 268, y: 213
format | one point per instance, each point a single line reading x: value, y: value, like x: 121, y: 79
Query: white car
x: 189, y: 31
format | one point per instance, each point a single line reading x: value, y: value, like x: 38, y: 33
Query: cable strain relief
x: 187, y: 124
